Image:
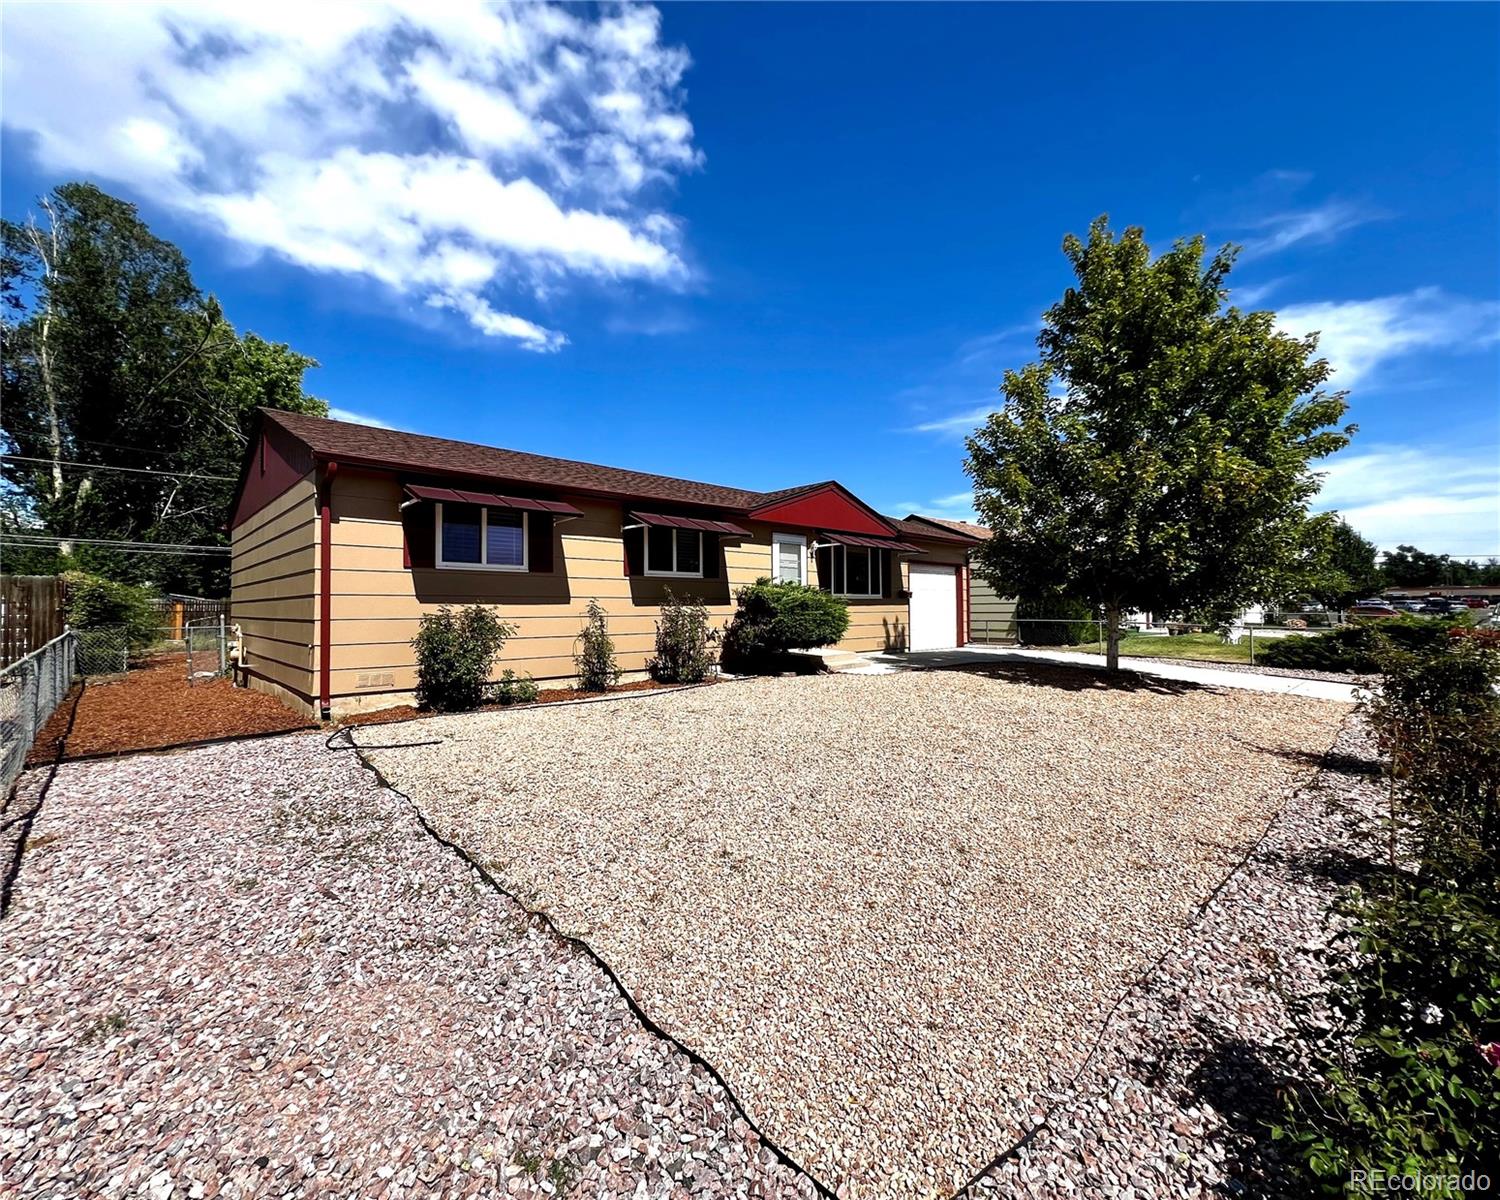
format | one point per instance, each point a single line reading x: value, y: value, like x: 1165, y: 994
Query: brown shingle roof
x: 915, y: 523
x: 371, y: 446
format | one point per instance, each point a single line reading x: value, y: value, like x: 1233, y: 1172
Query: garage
x: 934, y: 606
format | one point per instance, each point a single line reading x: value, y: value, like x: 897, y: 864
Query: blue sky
x: 763, y: 245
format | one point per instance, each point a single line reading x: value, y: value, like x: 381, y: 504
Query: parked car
x: 1442, y: 608
x: 1476, y: 602
x: 1372, y: 609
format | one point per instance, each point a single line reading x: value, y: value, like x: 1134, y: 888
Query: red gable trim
x: 830, y: 506
x: 273, y: 462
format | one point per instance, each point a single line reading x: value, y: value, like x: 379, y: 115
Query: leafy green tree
x: 1406, y: 566
x: 1350, y: 569
x: 113, y: 358
x: 1156, y: 457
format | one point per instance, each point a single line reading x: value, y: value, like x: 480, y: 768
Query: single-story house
x: 992, y: 617
x: 344, y: 535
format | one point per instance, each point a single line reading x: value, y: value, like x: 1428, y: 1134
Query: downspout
x: 325, y: 593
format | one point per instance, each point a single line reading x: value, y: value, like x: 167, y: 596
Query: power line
x: 49, y: 539
x: 63, y: 462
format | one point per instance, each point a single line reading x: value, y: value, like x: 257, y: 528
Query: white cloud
x: 454, y: 153
x: 959, y: 425
x: 1317, y: 226
x: 1357, y: 336
x: 1248, y: 297
x: 957, y: 507
x: 1445, y: 501
x: 345, y: 414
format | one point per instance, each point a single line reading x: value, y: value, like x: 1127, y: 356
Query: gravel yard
x: 245, y: 970
x: 891, y: 910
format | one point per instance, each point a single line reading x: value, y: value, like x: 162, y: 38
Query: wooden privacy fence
x: 176, y: 613
x: 31, y: 614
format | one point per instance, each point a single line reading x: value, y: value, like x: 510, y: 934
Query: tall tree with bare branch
x: 128, y: 396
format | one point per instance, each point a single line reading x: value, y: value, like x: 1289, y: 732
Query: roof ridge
x: 753, y: 496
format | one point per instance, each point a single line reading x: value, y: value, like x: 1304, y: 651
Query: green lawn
x: 1187, y: 645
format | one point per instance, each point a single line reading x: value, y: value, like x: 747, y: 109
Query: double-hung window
x: 788, y: 558
x: 474, y: 537
x: 857, y: 572
x: 674, y: 551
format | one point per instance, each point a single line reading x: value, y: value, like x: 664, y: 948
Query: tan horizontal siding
x: 273, y: 590
x: 377, y: 602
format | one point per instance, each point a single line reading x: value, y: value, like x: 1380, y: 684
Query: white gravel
x: 246, y: 971
x: 892, y: 910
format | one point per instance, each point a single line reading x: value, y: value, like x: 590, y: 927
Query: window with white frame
x: 473, y: 537
x: 788, y: 558
x: 674, y: 551
x: 856, y: 572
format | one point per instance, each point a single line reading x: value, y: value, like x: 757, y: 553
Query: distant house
x: 992, y: 617
x: 343, y: 535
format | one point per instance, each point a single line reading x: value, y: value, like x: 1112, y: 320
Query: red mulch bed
x: 152, y: 708
x: 406, y: 712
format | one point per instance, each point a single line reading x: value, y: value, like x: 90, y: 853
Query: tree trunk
x: 1112, y: 637
x: 49, y: 255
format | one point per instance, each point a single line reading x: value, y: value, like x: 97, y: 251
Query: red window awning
x: 491, y: 500
x: 700, y: 523
x: 854, y: 539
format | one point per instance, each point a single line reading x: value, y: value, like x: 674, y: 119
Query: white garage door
x: 934, y: 607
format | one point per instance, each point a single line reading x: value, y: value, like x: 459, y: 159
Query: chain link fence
x: 203, y: 645
x: 207, y: 645
x: 31, y: 688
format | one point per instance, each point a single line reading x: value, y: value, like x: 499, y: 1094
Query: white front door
x: 934, y: 606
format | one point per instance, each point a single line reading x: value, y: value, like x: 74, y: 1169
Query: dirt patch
x: 407, y: 712
x: 153, y: 708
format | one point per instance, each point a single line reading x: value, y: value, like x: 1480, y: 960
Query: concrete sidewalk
x: 1250, y: 681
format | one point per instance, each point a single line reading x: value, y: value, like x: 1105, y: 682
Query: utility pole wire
x: 63, y: 462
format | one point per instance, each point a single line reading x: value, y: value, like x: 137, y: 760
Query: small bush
x: 456, y: 651
x: 595, y: 660
x: 685, y: 642
x: 511, y: 688
x: 92, y: 602
x: 772, y: 618
x: 1074, y: 627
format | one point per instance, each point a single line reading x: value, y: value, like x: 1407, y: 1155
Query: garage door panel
x: 934, y: 606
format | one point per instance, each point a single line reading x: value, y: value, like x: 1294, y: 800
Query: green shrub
x: 456, y: 651
x: 91, y: 602
x: 1075, y: 626
x: 1409, y: 1078
x: 1355, y: 648
x: 772, y: 618
x: 511, y: 688
x: 595, y: 660
x: 685, y: 642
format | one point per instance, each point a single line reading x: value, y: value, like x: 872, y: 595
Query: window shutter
x: 419, y: 532
x: 635, y: 551
x: 889, y: 568
x: 710, y: 556
x: 539, y: 541
x: 825, y: 568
